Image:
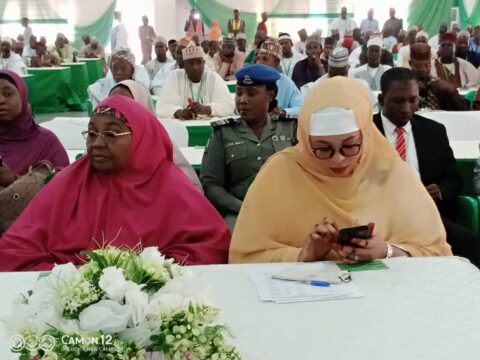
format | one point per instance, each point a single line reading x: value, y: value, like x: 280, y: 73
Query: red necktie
x: 400, y: 145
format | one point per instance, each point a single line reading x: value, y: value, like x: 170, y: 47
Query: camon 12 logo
x: 31, y: 343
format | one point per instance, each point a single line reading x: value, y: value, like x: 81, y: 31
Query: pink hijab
x: 149, y: 202
x: 22, y: 142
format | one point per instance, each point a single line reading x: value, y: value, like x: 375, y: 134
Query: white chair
x: 69, y: 131
x: 176, y: 130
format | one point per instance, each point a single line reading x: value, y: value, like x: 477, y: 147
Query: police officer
x: 238, y: 148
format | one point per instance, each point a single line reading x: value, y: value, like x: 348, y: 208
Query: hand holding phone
x: 346, y: 235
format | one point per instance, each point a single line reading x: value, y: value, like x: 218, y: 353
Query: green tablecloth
x: 29, y: 80
x: 54, y: 92
x: 94, y: 69
x: 79, y: 81
x: 199, y: 135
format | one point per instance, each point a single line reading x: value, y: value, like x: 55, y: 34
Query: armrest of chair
x: 468, y: 212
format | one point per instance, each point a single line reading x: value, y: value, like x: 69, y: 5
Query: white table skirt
x: 420, y: 308
x: 460, y: 125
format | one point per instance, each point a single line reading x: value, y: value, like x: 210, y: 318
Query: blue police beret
x: 256, y: 74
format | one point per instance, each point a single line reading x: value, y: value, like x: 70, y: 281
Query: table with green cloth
x: 232, y: 86
x: 199, y: 131
x: 80, y: 82
x: 54, y: 91
x: 94, y: 69
x: 30, y: 83
x: 469, y: 95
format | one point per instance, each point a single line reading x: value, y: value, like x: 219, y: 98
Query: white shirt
x: 342, y: 26
x: 154, y: 66
x: 26, y: 34
x: 119, y: 37
x: 287, y: 64
x: 14, y: 63
x: 411, y: 151
x: 211, y: 91
x: 161, y: 77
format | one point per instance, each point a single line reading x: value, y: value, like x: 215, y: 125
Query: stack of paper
x: 281, y: 291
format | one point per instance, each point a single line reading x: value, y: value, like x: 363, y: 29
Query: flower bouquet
x: 118, y: 305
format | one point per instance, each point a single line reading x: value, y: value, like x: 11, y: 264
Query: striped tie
x: 400, y: 146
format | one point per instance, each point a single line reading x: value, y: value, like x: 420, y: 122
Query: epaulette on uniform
x: 282, y: 118
x: 224, y: 122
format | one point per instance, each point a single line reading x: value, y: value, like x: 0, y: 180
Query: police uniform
x: 234, y: 153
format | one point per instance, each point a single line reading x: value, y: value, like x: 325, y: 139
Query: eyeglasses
x: 107, y: 135
x: 327, y: 152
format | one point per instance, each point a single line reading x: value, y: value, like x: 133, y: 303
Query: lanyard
x: 199, y: 92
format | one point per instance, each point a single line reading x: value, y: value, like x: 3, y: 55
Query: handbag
x: 15, y: 198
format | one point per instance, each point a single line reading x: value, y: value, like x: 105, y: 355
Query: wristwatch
x: 389, y: 251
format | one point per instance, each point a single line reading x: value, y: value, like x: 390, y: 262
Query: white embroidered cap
x: 193, y: 52
x: 333, y: 121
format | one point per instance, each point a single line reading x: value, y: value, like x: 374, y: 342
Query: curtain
x: 213, y: 10
x: 469, y: 19
x: 38, y: 11
x: 430, y: 13
x: 100, y: 28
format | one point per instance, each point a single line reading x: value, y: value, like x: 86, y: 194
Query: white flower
x: 152, y: 256
x: 138, y: 301
x: 140, y: 334
x: 51, y: 289
x: 113, y: 282
x: 191, y: 289
x: 106, y: 315
x: 164, y: 303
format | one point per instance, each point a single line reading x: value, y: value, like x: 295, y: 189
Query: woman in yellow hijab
x: 342, y: 173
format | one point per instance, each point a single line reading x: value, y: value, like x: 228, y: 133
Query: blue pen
x: 315, y: 283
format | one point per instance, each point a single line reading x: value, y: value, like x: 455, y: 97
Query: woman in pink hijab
x: 22, y: 142
x: 122, y: 194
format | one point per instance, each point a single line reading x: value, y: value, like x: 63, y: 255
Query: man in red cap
x: 435, y: 94
x: 458, y: 72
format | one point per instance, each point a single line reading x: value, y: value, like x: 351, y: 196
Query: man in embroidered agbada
x: 195, y: 91
x: 342, y: 173
x: 126, y: 192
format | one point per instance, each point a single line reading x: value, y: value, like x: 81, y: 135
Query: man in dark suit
x: 424, y: 145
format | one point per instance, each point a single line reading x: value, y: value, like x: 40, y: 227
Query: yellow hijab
x: 290, y: 195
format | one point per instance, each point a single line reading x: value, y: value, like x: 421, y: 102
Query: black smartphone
x: 346, y: 235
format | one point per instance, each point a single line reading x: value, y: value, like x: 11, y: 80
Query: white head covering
x: 241, y: 35
x: 160, y: 39
x: 140, y: 94
x: 338, y: 58
x: 7, y: 39
x: 193, y: 52
x: 284, y: 36
x: 422, y: 33
x: 375, y: 42
x: 333, y: 121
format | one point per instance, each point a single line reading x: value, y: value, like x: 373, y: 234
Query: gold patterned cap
x: 271, y: 47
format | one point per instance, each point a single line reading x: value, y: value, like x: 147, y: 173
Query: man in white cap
x: 119, y: 35
x: 146, y: 34
x: 228, y: 59
x: 301, y: 45
x: 372, y: 71
x: 241, y: 42
x: 10, y: 60
x: 93, y: 50
x: 160, y: 79
x: 62, y: 50
x: 154, y: 66
x: 289, y: 57
x: 194, y: 92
